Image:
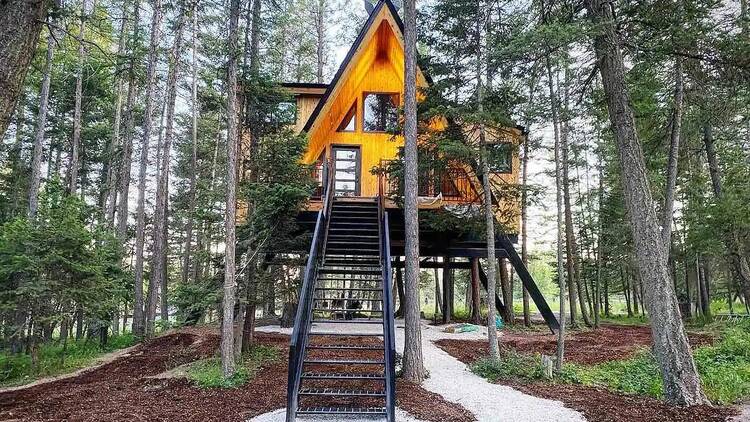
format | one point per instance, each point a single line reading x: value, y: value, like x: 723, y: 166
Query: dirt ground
x: 123, y: 390
x: 610, y: 342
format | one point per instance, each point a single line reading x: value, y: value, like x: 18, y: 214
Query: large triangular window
x: 349, y: 122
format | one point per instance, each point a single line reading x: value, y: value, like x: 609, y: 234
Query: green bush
x: 637, y: 375
x: 511, y: 365
x: 53, y: 360
x: 208, y: 373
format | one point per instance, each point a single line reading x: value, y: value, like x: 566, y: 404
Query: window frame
x: 364, y: 106
x: 353, y: 119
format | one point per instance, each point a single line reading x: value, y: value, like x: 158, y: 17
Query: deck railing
x: 453, y: 184
x: 389, y: 340
x: 303, y: 319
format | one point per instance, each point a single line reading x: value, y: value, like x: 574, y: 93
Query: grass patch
x: 53, y: 360
x: 724, y: 370
x: 511, y: 365
x: 208, y: 373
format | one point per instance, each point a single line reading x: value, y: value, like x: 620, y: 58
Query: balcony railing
x: 452, y: 184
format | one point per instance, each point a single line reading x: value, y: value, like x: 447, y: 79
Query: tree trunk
x: 507, y: 291
x: 476, y: 303
x: 74, y: 162
x: 413, y: 366
x: 161, y: 246
x: 554, y: 108
x: 20, y: 24
x: 248, y: 329
x: 320, y: 29
x: 108, y: 199
x: 38, y: 152
x: 674, y: 148
x: 138, y: 312
x: 400, y: 292
x: 126, y: 156
x: 230, y: 285
x: 194, y: 156
x: 671, y: 348
x: 524, y: 219
x: 447, y: 314
x: 599, y: 247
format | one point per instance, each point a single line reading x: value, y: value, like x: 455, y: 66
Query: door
x: 346, y: 164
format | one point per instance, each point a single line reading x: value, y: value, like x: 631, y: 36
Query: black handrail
x: 389, y: 338
x: 302, y: 320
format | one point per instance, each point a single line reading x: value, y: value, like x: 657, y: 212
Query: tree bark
x: 230, y: 285
x: 674, y: 148
x: 554, y: 109
x: 138, y: 312
x: 671, y: 348
x: 476, y: 303
x: 187, y: 249
x: 20, y: 25
x: 524, y: 218
x: 161, y: 246
x: 38, y: 152
x: 413, y: 365
x: 126, y: 155
x: 74, y: 162
x: 447, y: 314
x: 320, y: 29
x: 489, y: 214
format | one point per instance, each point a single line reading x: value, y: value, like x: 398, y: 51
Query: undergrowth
x: 53, y: 360
x: 208, y: 373
x: 724, y: 369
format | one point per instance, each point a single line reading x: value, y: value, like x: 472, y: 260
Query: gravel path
x: 280, y: 416
x: 452, y: 380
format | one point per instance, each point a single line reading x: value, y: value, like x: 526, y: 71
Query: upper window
x: 348, y: 123
x: 381, y: 112
x: 501, y: 157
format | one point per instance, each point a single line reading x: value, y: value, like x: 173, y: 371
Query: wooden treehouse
x: 342, y: 352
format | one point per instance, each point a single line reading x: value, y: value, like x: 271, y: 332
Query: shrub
x: 511, y: 365
x: 208, y: 373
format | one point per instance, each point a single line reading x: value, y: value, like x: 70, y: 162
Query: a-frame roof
x: 377, y: 15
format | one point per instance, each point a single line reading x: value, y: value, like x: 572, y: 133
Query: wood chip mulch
x: 123, y: 390
x: 589, y: 347
x: 592, y: 347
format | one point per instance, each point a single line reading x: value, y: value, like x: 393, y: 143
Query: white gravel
x: 452, y: 379
x: 280, y: 416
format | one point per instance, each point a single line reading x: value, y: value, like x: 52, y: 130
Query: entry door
x: 346, y: 164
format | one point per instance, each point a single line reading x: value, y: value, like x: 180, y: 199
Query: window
x: 286, y: 113
x: 348, y: 123
x: 501, y: 157
x: 381, y: 112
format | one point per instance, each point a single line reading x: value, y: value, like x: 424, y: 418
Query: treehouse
x: 342, y: 350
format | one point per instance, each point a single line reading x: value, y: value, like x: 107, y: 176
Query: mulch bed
x: 590, y: 347
x: 123, y: 390
x: 610, y: 342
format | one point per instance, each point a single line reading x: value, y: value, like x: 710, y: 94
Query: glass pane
x: 348, y: 186
x: 346, y: 165
x: 381, y: 112
x: 501, y: 158
x: 345, y: 175
x: 346, y: 154
x: 348, y: 123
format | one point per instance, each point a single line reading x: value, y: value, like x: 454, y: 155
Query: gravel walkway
x: 452, y: 380
x: 280, y: 416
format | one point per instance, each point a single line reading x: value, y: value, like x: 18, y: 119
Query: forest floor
x: 590, y: 347
x: 133, y: 388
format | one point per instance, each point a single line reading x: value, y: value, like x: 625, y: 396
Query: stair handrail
x: 303, y: 319
x: 389, y: 338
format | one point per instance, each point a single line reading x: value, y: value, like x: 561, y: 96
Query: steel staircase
x: 341, y: 359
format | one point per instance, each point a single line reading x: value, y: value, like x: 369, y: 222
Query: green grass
x: 208, y: 373
x: 724, y: 370
x: 511, y: 365
x: 19, y: 370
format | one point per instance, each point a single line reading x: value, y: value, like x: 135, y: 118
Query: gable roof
x: 350, y: 55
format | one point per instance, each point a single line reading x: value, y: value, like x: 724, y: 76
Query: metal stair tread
x: 344, y: 347
x: 367, y: 411
x: 346, y: 309
x: 344, y: 362
x: 347, y: 321
x: 340, y: 334
x: 341, y: 392
x: 344, y: 376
